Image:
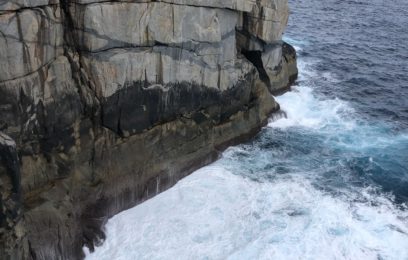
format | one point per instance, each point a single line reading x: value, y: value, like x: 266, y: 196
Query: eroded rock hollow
x: 105, y: 104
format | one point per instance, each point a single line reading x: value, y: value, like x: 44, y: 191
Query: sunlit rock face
x: 105, y: 104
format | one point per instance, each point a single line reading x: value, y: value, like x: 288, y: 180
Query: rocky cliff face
x: 104, y: 104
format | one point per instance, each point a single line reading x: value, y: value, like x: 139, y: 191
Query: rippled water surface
x: 330, y: 181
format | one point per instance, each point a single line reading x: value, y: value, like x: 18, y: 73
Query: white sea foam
x: 333, y: 118
x: 304, y: 109
x: 214, y: 214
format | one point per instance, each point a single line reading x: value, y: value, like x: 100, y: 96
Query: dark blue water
x: 365, y: 44
x: 358, y: 51
x: 330, y: 181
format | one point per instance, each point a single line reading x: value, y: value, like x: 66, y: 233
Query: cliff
x: 105, y: 104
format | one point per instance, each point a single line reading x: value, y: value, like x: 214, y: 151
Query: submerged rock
x: 105, y: 104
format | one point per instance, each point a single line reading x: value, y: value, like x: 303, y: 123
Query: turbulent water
x: 329, y: 181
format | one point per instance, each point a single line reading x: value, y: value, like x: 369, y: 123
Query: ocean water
x: 328, y: 181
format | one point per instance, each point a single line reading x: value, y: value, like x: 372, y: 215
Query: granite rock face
x: 105, y: 104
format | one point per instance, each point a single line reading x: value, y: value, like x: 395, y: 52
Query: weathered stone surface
x: 238, y: 5
x: 123, y: 24
x: 160, y: 65
x: 283, y: 73
x: 40, y: 104
x: 276, y: 67
x: 289, y: 54
x: 267, y: 20
x: 111, y: 25
x: 105, y: 104
x: 29, y: 40
x: 13, y: 5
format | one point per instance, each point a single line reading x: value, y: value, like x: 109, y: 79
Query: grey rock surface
x: 104, y: 104
x: 29, y: 40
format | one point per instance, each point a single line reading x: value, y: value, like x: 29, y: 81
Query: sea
x: 326, y: 179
